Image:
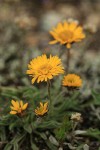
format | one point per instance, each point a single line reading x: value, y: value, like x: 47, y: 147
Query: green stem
x: 49, y: 93
x: 68, y: 59
x: 74, y: 126
x: 48, y: 85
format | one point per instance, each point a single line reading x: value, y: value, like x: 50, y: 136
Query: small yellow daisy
x: 18, y: 107
x: 67, y: 33
x: 42, y: 110
x: 72, y: 80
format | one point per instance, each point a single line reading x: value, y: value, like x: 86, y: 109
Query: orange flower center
x: 66, y: 35
x: 44, y: 70
x: 71, y: 80
x: 19, y: 110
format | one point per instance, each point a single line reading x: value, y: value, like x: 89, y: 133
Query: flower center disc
x: 66, y: 35
x: 45, y: 69
x: 71, y: 80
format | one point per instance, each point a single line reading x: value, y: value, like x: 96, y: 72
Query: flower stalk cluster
x: 44, y: 69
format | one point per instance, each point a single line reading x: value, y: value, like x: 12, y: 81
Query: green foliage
x: 96, y: 97
x: 95, y: 133
x: 18, y: 45
x: 14, y: 130
x: 63, y: 130
x: 21, y: 127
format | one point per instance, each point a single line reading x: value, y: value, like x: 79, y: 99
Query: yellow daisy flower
x: 72, y: 80
x: 43, y: 109
x: 18, y: 107
x: 43, y: 68
x: 67, y: 33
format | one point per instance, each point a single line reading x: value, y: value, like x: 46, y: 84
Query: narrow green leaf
x: 16, y: 147
x: 96, y: 97
x: 28, y: 128
x: 51, y: 146
x: 8, y: 147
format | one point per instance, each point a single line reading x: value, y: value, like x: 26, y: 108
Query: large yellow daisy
x: 72, y: 80
x: 43, y: 68
x: 67, y: 33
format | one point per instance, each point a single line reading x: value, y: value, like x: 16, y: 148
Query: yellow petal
x: 33, y: 80
x: 45, y: 105
x: 13, y: 108
x: 72, y: 26
x: 50, y: 76
x: 68, y: 45
x: 13, y: 112
x: 24, y: 106
x: 78, y: 30
x: 65, y: 25
x: 46, y: 78
x: 41, y: 104
x: 53, y: 42
x: 54, y: 34
x: 60, y: 27
x: 15, y: 103
x: 21, y: 103
x: 39, y: 79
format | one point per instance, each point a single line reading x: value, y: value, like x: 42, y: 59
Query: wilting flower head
x: 42, y: 110
x: 67, y: 33
x: 18, y: 107
x: 76, y: 117
x: 43, y: 68
x: 72, y: 80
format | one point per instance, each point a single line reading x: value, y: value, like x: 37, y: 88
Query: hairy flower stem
x: 74, y: 125
x: 68, y: 59
x: 49, y: 93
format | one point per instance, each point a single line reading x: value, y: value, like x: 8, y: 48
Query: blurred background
x: 24, y: 34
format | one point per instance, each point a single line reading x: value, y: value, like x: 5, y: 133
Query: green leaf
x: 80, y: 147
x: 14, y: 142
x: 8, y: 147
x: 96, y: 97
x: 41, y: 134
x: 2, y: 134
x: 63, y: 129
x: 51, y: 146
x: 31, y: 92
x: 17, y: 138
x: 33, y: 146
x: 28, y: 128
x: 16, y: 123
x: 16, y: 147
x: 93, y: 133
x: 48, y: 124
x: 10, y: 93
